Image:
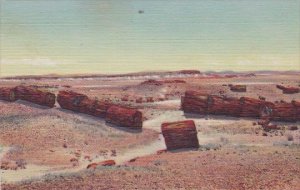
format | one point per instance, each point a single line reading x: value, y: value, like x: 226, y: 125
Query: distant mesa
x: 189, y: 72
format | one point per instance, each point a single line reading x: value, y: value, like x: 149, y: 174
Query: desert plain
x: 50, y: 148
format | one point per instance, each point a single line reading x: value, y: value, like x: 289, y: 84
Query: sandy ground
x: 233, y: 153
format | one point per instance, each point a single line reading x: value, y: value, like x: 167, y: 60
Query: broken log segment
x: 284, y: 112
x: 124, y: 117
x: 297, y: 107
x: 252, y: 107
x: 288, y: 90
x: 43, y: 98
x: 197, y: 102
x: 81, y: 103
x: 194, y: 102
x: 180, y: 134
x: 238, y: 88
x: 8, y: 94
x: 219, y: 105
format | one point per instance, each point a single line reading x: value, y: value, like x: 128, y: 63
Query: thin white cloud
x: 34, y: 61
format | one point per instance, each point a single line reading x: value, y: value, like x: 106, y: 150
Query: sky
x: 111, y: 36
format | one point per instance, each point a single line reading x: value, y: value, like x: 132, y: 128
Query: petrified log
x: 284, y: 112
x: 219, y: 105
x: 152, y: 82
x: 103, y: 163
x: 194, y: 102
x: 36, y: 96
x: 124, y: 117
x: 297, y: 107
x: 81, y: 103
x: 180, y: 134
x: 288, y: 90
x: 8, y: 94
x: 238, y: 88
x: 254, y: 107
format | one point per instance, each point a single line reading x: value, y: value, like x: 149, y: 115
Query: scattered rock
x: 161, y: 151
x: 103, y: 163
x: 293, y: 128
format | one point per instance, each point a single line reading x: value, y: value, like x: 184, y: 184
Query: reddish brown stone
x: 297, y: 107
x: 180, y: 134
x: 194, y: 102
x: 189, y: 72
x: 284, y: 112
x: 139, y: 100
x: 271, y: 127
x: 103, y: 163
x: 254, y: 107
x: 8, y: 94
x: 218, y: 105
x: 124, y: 117
x: 125, y: 99
x: 238, y: 88
x: 81, y: 103
x: 149, y: 99
x: 288, y: 90
x: 152, y: 82
x: 36, y: 96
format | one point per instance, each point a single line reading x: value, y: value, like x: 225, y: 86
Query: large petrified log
x: 81, y: 103
x: 180, y: 134
x: 194, y: 102
x: 253, y: 107
x: 219, y: 105
x: 197, y: 102
x: 36, y: 96
x: 8, y: 94
x: 288, y: 90
x: 124, y: 117
x: 284, y: 112
x: 238, y: 88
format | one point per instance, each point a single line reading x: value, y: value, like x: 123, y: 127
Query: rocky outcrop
x: 81, y: 103
x: 180, y: 134
x: 103, y: 163
x: 8, y: 94
x: 36, y: 96
x: 124, y: 117
x: 288, y: 90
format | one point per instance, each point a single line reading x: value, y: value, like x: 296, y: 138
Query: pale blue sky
x: 110, y: 36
